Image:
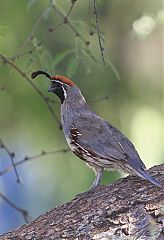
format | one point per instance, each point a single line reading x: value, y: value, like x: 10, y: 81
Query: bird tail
x: 145, y: 175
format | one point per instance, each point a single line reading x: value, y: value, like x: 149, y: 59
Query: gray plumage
x: 111, y: 149
x: 90, y: 137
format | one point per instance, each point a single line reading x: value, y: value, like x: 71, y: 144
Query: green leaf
x: 109, y: 62
x: 30, y: 4
x: 60, y: 57
x: 46, y: 13
x: 59, y: 6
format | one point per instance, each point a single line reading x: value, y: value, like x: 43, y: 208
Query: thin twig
x: 77, y: 33
x: 98, y: 32
x: 23, y: 212
x: 89, y: 18
x: 29, y: 158
x: 29, y: 51
x: 67, y: 21
x: 6, y: 60
x: 31, y: 35
x: 70, y: 10
x: 11, y: 156
x: 51, y: 29
x: 100, y: 99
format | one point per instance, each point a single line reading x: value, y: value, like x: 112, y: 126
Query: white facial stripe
x: 57, y: 81
x: 65, y: 94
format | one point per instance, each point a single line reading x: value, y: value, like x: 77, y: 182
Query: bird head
x: 60, y: 85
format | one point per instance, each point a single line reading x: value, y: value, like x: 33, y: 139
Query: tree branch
x: 11, y: 156
x: 23, y: 212
x: 98, y: 32
x: 130, y: 208
x: 45, y: 99
x: 29, y: 158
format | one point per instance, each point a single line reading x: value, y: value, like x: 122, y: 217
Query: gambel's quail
x: 90, y: 137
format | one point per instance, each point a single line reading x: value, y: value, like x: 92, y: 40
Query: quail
x: 91, y: 138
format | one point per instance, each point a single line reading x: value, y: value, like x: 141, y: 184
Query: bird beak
x: 35, y: 74
x: 50, y: 89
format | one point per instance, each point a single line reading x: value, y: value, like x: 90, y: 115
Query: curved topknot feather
x: 60, y: 78
x: 35, y: 74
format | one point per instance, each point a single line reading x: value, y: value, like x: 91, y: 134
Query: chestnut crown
x: 58, y: 84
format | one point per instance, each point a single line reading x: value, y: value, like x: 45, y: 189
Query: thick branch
x: 130, y: 208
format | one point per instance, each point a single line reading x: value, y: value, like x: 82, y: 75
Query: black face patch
x: 58, y: 89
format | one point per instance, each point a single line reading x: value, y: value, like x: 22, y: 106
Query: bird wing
x: 97, y: 136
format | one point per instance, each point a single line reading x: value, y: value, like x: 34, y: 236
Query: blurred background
x: 127, y: 92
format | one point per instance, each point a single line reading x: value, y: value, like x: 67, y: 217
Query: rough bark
x: 130, y: 208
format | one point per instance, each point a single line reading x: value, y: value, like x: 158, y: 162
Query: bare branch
x: 31, y: 35
x: 76, y: 32
x: 11, y: 156
x: 89, y: 19
x: 23, y: 212
x: 67, y: 21
x: 29, y: 158
x: 71, y: 8
x: 50, y: 29
x: 100, y: 99
x: 6, y: 60
x: 98, y: 32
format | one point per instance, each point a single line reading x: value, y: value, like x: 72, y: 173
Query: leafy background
x: 32, y: 36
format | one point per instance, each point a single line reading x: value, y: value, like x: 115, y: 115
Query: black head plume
x: 35, y: 74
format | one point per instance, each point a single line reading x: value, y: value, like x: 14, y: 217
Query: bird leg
x: 98, y: 173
